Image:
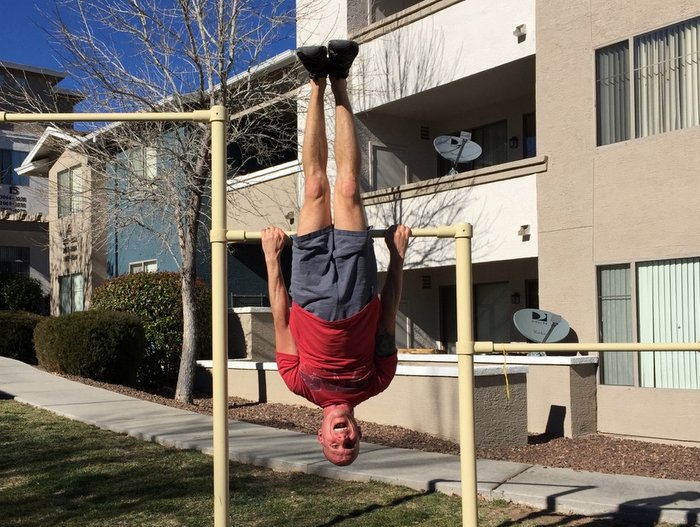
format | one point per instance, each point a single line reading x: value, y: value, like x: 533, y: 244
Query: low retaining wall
x: 422, y: 397
x: 561, y: 392
x: 251, y: 334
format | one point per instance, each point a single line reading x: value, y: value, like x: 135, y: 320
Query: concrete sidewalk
x: 642, y: 500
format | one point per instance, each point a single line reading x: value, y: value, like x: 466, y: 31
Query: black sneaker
x: 341, y: 53
x: 315, y: 60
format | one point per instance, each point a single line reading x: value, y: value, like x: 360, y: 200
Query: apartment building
x: 429, y: 69
x: 24, y: 199
x: 105, y: 210
x: 582, y: 201
x: 618, y: 115
x: 584, y: 198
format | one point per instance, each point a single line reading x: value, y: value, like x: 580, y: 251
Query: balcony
x: 433, y: 43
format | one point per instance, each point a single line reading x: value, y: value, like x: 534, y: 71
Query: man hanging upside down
x: 335, y: 347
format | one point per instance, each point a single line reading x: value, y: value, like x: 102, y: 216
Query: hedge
x: 17, y: 340
x: 105, y: 346
x: 156, y: 299
x: 18, y: 293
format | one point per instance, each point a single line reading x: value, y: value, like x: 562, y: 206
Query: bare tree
x: 176, y: 55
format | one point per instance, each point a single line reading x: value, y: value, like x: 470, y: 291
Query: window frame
x: 634, y: 299
x: 16, y: 157
x: 72, y: 194
x: 632, y: 88
x: 70, y: 279
x: 142, y: 264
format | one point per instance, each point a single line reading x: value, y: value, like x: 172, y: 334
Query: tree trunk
x: 185, y: 379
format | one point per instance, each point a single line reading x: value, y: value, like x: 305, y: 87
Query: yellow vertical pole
x: 219, y: 311
x: 465, y: 366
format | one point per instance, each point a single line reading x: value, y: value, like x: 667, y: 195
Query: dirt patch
x: 595, y: 452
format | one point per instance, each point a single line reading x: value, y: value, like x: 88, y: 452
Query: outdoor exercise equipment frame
x: 217, y: 117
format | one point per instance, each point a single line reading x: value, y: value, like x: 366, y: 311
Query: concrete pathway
x: 642, y: 500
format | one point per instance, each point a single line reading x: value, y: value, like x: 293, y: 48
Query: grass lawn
x: 58, y: 472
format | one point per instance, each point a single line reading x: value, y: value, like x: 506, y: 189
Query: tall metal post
x: 217, y: 116
x: 465, y: 368
x: 219, y: 312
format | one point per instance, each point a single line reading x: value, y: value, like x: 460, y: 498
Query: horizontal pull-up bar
x: 196, y: 115
x: 522, y: 347
x: 431, y: 232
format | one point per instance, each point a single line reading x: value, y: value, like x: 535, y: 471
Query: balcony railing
x: 480, y: 176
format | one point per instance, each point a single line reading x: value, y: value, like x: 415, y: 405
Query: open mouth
x: 340, y: 427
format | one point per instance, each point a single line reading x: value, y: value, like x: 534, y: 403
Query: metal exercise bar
x: 196, y: 115
x: 237, y: 236
x: 523, y: 347
x: 217, y: 116
x: 462, y: 234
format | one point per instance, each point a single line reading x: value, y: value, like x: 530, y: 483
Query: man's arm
x: 397, y: 241
x: 273, y: 240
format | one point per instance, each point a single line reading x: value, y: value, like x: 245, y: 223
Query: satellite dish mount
x: 457, y: 149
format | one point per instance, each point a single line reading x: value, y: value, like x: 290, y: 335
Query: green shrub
x: 18, y: 293
x: 106, y: 346
x: 17, y: 340
x: 156, y: 299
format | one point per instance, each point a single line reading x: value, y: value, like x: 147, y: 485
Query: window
x: 14, y: 261
x: 146, y: 266
x: 387, y: 168
x: 666, y: 75
x: 136, y: 168
x: 615, y: 309
x: 9, y: 161
x: 70, y: 292
x: 70, y: 191
x: 667, y: 310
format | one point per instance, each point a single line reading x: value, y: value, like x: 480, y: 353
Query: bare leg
x: 316, y: 210
x: 348, y: 210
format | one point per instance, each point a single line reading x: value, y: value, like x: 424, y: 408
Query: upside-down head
x: 339, y: 434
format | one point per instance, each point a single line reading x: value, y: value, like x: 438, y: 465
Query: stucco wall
x: 464, y: 38
x: 414, y: 400
x: 496, y: 210
x: 629, y: 201
x: 271, y: 202
x: 610, y: 204
x: 77, y: 241
x: 651, y: 413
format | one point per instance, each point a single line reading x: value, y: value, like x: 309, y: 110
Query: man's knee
x: 347, y: 186
x: 316, y: 186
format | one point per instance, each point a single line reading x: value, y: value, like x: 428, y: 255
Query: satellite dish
x: 540, y: 326
x: 457, y: 149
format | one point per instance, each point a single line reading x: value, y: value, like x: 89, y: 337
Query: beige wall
x: 561, y: 392
x: 251, y: 334
x: 650, y: 413
x: 76, y: 242
x: 419, y: 402
x: 257, y: 206
x: 607, y: 204
x: 630, y: 201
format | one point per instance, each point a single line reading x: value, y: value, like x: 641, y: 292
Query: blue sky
x: 22, y: 38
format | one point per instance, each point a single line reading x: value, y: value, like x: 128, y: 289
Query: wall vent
x: 427, y: 281
x: 425, y: 132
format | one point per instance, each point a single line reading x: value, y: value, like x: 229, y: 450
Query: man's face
x: 339, y: 436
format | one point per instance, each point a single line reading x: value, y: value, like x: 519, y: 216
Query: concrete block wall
x: 421, y: 398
